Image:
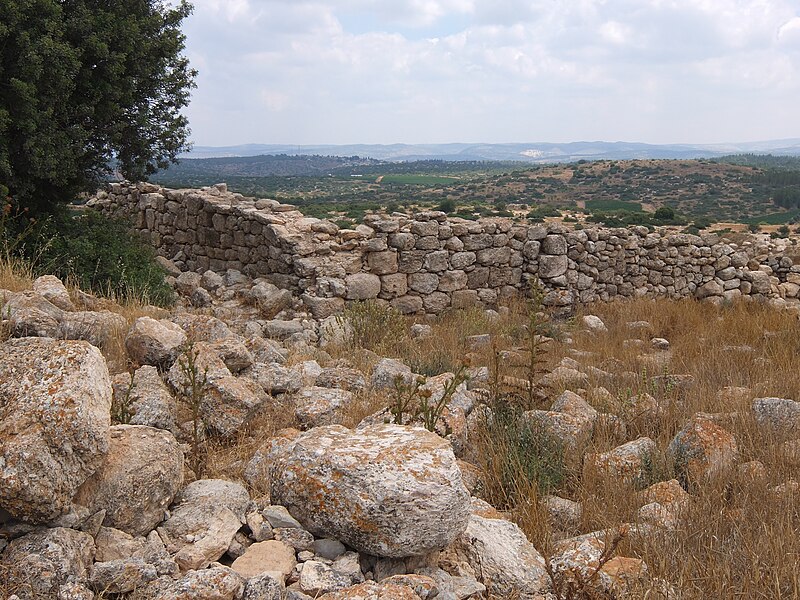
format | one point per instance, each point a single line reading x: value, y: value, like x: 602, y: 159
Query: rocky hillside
x: 238, y: 448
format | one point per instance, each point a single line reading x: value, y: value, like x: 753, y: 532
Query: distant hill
x: 267, y: 165
x: 535, y: 152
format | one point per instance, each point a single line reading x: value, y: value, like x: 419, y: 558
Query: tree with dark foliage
x: 84, y: 85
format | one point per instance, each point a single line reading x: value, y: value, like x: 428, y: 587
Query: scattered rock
x: 386, y: 490
x: 594, y: 323
x: 53, y: 290
x: 628, y: 463
x: 703, y: 449
x: 37, y: 564
x: 496, y: 553
x: 316, y: 406
x: 779, y: 416
x: 156, y: 343
x: 387, y: 371
x: 137, y: 480
x: 54, y: 432
x: 272, y: 557
x: 317, y: 578
x: 203, y: 520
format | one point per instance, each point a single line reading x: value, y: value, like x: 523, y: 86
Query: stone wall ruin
x: 428, y: 262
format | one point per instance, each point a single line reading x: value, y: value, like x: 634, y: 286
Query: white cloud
x: 447, y: 70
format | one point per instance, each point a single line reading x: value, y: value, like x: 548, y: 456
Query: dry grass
x: 737, y: 539
x: 17, y: 276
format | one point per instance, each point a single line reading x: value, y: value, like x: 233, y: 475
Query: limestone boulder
x: 579, y: 560
x: 216, y: 583
x: 594, y: 323
x: 156, y: 343
x: 386, y: 490
x: 51, y: 288
x: 371, y: 590
x: 343, y: 378
x: 269, y: 299
x: 121, y: 576
x: 203, y: 520
x: 203, y: 328
x: 387, y: 371
x: 496, y: 553
x: 263, y: 587
x: 233, y: 352
x: 38, y: 564
x: 55, y: 402
x: 703, y: 449
x: 148, y: 400
x: 96, y: 327
x: 31, y: 314
x: 137, y: 481
x: 362, y: 286
x: 228, y: 403
x: 114, y: 546
x: 274, y: 378
x: 315, y: 406
x: 318, y: 578
x: 573, y: 404
x: 779, y: 416
x: 628, y: 463
x: 270, y: 556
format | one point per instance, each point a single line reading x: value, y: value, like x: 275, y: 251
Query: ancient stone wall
x: 427, y: 262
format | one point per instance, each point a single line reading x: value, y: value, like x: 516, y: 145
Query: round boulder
x: 137, y: 481
x: 385, y: 490
x: 55, y: 402
x: 156, y: 343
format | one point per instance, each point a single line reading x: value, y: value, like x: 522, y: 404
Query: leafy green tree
x: 664, y: 213
x: 87, y: 86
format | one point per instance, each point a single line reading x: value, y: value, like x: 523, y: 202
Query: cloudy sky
x: 435, y: 71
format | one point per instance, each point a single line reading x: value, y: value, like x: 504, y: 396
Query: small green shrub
x: 372, y: 324
x: 99, y: 254
x: 194, y: 385
x: 530, y: 454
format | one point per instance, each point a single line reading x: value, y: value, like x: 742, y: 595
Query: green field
x: 612, y: 206
x: 403, y: 179
x: 776, y: 218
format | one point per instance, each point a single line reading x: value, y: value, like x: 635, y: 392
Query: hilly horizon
x: 534, y: 152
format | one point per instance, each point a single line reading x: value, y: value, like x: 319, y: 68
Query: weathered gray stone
x: 38, y: 564
x: 137, y: 481
x: 398, y: 490
x: 497, y: 553
x: 54, y: 432
x: 148, y: 401
x: 53, y: 290
x: 156, y: 343
x: 317, y: 406
x: 363, y: 286
x: 202, y: 522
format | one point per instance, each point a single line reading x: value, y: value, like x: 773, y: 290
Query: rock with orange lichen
x: 496, y: 553
x: 371, y: 590
x: 703, y: 449
x: 627, y: 463
x: 137, y: 480
x: 55, y: 402
x: 386, y: 490
x: 583, y: 564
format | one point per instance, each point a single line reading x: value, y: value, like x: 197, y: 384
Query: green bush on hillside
x: 99, y: 254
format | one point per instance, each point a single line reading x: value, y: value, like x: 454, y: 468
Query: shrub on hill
x: 97, y: 253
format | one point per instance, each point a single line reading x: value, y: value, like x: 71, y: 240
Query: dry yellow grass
x: 17, y: 276
x: 738, y: 539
